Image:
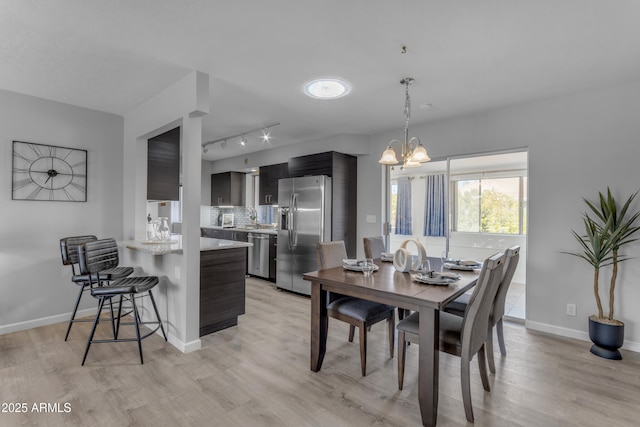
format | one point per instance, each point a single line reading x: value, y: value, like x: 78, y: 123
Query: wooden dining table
x: 392, y: 287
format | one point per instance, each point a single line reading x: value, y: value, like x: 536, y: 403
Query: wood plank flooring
x: 257, y: 374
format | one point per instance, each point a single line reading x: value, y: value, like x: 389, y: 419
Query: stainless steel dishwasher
x: 258, y: 262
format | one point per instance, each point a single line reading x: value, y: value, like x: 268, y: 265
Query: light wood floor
x: 257, y: 374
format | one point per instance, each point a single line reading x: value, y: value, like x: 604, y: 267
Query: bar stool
x: 97, y: 256
x: 69, y: 252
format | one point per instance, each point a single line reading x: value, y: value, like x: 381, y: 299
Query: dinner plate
x: 462, y: 267
x: 356, y: 267
x: 435, y: 280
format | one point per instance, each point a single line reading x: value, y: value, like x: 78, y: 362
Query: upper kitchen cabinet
x: 227, y: 189
x: 163, y: 166
x: 269, y: 176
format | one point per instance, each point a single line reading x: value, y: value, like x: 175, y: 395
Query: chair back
x: 331, y: 254
x: 373, y: 247
x: 512, y: 255
x: 69, y: 248
x: 476, y: 318
x: 98, y: 255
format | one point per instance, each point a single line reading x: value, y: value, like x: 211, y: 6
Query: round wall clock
x: 48, y: 172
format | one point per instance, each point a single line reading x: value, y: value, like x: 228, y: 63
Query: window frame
x: 487, y: 175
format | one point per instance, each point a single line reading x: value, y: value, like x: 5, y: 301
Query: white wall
x: 35, y: 288
x: 578, y: 145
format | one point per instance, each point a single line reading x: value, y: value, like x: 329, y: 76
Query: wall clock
x: 49, y: 172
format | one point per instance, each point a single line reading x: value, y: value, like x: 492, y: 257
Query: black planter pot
x: 607, y: 339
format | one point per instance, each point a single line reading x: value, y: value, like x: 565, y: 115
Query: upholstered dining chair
x: 98, y: 256
x: 354, y: 311
x: 373, y: 246
x: 69, y: 252
x: 459, y: 305
x: 461, y: 336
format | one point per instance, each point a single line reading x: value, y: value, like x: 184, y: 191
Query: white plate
x: 462, y: 267
x: 356, y: 267
x: 436, y: 280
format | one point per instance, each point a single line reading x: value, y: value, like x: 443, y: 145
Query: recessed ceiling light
x: 327, y: 88
x: 425, y: 106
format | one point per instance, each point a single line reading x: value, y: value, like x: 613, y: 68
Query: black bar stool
x: 97, y: 256
x: 69, y: 252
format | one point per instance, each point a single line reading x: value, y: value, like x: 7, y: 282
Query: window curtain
x: 403, y: 207
x: 435, y: 200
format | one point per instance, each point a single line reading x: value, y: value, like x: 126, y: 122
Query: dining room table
x: 389, y: 286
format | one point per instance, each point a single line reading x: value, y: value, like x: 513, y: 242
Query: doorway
x: 466, y: 207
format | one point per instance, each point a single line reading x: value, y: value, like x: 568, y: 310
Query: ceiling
x: 465, y: 56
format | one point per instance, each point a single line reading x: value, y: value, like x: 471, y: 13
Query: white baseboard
x: 573, y: 333
x: 184, y: 347
x: 44, y: 321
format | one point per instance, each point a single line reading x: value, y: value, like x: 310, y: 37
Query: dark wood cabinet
x: 227, y: 189
x: 163, y: 166
x: 273, y: 252
x: 222, y: 233
x: 222, y: 288
x: 269, y: 176
x: 342, y: 168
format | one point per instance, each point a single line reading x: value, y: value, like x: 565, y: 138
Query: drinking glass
x: 367, y: 267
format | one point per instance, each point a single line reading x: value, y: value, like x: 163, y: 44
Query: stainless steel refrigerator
x: 305, y: 220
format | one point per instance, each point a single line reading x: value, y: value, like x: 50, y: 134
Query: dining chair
x: 69, y: 253
x: 373, y: 247
x: 354, y: 311
x: 461, y: 336
x: 97, y: 256
x: 459, y: 305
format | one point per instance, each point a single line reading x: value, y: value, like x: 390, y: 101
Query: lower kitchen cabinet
x: 222, y: 288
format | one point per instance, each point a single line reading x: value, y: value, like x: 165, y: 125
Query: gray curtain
x: 435, y: 218
x: 403, y: 207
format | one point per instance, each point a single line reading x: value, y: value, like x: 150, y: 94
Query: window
x: 490, y: 205
x: 394, y: 205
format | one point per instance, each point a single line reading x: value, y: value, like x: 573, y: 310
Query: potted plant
x: 607, y: 230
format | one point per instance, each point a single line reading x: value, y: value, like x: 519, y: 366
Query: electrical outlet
x: 571, y: 309
x: 176, y: 272
x: 371, y: 219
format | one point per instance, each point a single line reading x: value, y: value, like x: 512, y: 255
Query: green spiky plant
x: 609, y: 230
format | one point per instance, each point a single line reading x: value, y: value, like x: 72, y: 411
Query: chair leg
x: 113, y: 323
x: 391, y: 322
x: 363, y: 348
x: 352, y: 331
x: 488, y: 344
x: 465, y: 369
x: 155, y: 307
x: 402, y: 347
x: 93, y: 329
x: 503, y: 349
x: 119, y: 317
x: 137, y: 322
x: 482, y: 364
x: 75, y: 309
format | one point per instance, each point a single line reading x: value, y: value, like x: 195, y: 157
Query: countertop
x: 247, y: 229
x: 175, y: 246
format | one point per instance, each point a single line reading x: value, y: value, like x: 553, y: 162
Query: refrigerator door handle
x: 290, y: 222
x: 294, y: 224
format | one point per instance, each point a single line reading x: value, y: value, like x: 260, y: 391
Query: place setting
x: 452, y: 263
x: 365, y: 266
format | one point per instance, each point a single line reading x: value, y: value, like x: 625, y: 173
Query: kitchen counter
x: 175, y: 246
x: 273, y: 231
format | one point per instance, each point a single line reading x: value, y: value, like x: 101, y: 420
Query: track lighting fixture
x: 266, y: 137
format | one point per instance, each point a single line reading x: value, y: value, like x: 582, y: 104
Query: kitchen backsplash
x: 242, y: 215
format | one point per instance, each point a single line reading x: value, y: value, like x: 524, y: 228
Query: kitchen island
x: 221, y: 296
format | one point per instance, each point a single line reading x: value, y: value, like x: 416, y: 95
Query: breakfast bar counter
x: 193, y: 302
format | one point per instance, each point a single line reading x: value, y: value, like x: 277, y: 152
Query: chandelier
x: 413, y: 152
